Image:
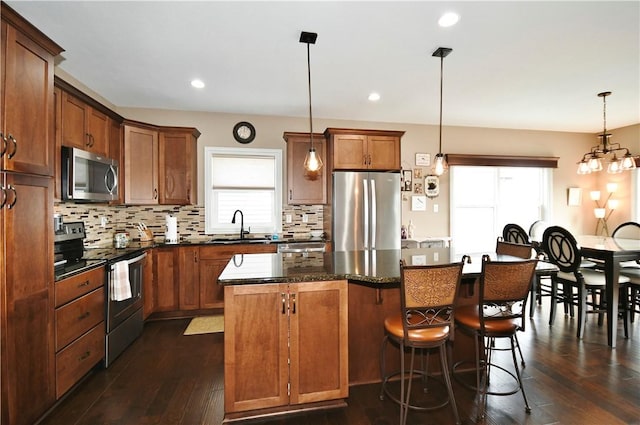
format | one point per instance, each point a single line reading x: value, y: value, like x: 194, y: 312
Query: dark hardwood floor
x: 167, y: 378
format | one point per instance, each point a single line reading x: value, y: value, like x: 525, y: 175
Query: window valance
x: 502, y: 160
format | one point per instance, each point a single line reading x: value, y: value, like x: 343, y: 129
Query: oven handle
x: 134, y: 260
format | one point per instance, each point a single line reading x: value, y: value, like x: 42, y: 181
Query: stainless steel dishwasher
x: 301, y: 247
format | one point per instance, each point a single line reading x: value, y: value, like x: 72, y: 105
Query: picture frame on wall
x: 418, y: 203
x: 432, y: 186
x: 423, y: 159
x: 407, y: 181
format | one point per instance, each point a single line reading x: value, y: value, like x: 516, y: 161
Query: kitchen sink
x: 237, y: 240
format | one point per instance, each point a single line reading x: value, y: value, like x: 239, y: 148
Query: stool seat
x: 393, y: 325
x: 468, y: 316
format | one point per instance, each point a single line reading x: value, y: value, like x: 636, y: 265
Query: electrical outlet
x: 435, y: 208
x: 287, y: 218
x: 305, y: 218
x: 436, y: 256
x: 103, y: 221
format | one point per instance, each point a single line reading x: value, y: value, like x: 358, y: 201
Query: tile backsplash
x: 190, y: 220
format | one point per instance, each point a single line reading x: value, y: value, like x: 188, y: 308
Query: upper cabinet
x: 84, y: 127
x: 351, y: 149
x: 178, y: 178
x: 26, y: 93
x: 304, y: 187
x: 160, y: 164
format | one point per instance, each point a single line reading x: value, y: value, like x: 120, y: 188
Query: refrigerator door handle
x: 365, y: 192
x: 373, y: 210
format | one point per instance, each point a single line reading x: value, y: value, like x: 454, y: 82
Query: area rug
x: 205, y: 325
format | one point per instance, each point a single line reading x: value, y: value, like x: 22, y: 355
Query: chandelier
x: 592, y: 161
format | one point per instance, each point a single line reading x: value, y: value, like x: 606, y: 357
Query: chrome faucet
x: 233, y: 221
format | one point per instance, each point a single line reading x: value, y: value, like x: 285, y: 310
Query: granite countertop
x: 378, y: 268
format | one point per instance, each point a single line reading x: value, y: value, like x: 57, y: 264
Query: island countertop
x: 372, y: 267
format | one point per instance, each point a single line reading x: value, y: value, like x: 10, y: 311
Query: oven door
x: 119, y: 311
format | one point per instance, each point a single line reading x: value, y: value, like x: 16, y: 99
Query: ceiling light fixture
x: 312, y: 161
x: 440, y: 164
x: 374, y: 97
x: 592, y: 161
x: 448, y: 19
x: 197, y: 84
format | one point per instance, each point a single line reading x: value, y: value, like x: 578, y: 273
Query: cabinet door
x: 115, y: 152
x: 164, y: 266
x: 98, y: 130
x: 74, y: 119
x: 384, y: 152
x: 349, y: 151
x: 211, y: 294
x: 319, y: 341
x: 256, y: 370
x: 177, y: 171
x: 189, y: 281
x: 304, y: 187
x: 148, y: 290
x: 26, y: 285
x: 140, y: 165
x: 27, y: 105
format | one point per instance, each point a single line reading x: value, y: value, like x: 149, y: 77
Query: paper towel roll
x: 171, y: 233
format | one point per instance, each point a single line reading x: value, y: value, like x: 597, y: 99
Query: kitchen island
x: 289, y: 344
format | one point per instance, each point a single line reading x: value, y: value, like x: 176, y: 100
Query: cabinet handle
x: 15, y: 196
x: 195, y: 257
x: 84, y: 355
x: 4, y: 144
x: 15, y: 146
x: 85, y: 283
x: 4, y: 198
x: 284, y: 302
x: 293, y: 299
x: 364, y: 159
x: 290, y: 194
x: 84, y: 315
x: 155, y: 193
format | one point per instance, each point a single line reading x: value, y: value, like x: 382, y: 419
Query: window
x: 635, y: 196
x: 484, y: 199
x: 249, y: 180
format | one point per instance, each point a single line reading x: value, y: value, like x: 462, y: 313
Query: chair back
x: 428, y: 294
x: 504, y: 289
x: 513, y: 249
x: 561, y: 249
x: 628, y: 230
x: 514, y: 233
x: 536, y: 230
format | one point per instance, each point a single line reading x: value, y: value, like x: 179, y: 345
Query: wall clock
x: 244, y: 132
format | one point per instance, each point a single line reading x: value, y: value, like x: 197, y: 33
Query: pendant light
x: 440, y: 163
x: 312, y: 162
x: 592, y: 161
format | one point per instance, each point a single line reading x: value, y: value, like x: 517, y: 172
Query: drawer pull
x: 85, y: 283
x: 84, y: 355
x: 284, y: 302
x: 293, y: 298
x: 84, y: 315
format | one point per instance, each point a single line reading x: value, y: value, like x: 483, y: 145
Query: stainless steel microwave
x: 88, y: 177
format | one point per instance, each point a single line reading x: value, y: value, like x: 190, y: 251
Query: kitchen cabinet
x: 160, y: 164
x: 285, y: 345
x: 364, y: 149
x: 116, y: 152
x: 140, y: 164
x: 83, y: 127
x: 189, y: 282
x: 178, y: 169
x: 148, y: 291
x: 165, y: 264
x: 27, y: 353
x: 80, y: 328
x: 304, y: 187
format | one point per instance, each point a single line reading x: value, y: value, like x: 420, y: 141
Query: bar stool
x: 425, y: 322
x: 504, y: 289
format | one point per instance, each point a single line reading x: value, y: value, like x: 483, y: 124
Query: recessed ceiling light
x: 197, y: 84
x: 448, y: 19
x: 374, y: 97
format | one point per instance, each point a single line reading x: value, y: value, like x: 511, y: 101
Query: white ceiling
x: 525, y: 65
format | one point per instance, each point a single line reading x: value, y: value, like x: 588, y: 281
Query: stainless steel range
x: 124, y: 320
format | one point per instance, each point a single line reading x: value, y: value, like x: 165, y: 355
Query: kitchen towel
x: 120, y: 286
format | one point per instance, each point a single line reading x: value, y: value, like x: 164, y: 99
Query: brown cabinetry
x: 165, y: 294
x: 304, y: 187
x: 293, y: 336
x: 160, y: 164
x: 83, y: 127
x: 364, y: 149
x: 178, y: 178
x: 80, y: 330
x: 27, y: 353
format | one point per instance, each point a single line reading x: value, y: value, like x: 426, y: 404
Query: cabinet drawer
x: 77, y: 317
x: 80, y: 284
x: 77, y: 359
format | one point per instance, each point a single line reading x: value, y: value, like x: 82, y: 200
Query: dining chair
x: 514, y: 233
x: 564, y: 252
x: 424, y: 322
x: 630, y: 269
x: 499, y: 314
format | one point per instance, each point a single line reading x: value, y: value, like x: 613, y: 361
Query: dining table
x: 611, y: 252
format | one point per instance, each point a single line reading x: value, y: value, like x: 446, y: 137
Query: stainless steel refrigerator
x: 366, y: 210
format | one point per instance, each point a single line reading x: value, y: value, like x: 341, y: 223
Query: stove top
x: 74, y: 267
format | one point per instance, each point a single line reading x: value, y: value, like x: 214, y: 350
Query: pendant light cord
x: 441, y: 72
x: 310, y: 113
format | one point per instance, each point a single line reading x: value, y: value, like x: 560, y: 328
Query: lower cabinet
x: 286, y: 345
x: 80, y: 327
